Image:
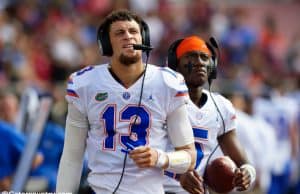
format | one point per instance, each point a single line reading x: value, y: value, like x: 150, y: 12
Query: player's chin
x: 134, y: 55
x: 198, y: 81
x: 128, y: 59
x: 201, y: 77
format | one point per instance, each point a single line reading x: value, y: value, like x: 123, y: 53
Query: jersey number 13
x: 138, y: 119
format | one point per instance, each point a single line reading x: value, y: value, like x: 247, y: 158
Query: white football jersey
x: 281, y: 113
x: 116, y: 118
x: 207, y: 125
x: 267, y: 139
x: 256, y: 134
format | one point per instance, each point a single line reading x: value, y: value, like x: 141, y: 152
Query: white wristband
x: 162, y: 158
x: 252, y: 173
x: 179, y: 161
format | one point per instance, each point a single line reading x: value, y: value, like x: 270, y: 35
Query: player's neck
x: 195, y: 95
x: 127, y: 75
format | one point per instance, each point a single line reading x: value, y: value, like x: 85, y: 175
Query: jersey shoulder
x: 83, y: 78
x: 220, y: 99
x: 174, y: 80
x: 223, y: 103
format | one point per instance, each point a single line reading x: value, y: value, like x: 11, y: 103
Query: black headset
x: 211, y: 45
x: 104, y: 41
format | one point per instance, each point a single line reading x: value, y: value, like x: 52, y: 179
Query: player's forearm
x: 183, y: 153
x: 179, y: 161
x: 190, y: 149
x: 71, y: 162
x: 231, y: 146
x: 69, y: 174
x: 70, y: 166
x: 181, y: 136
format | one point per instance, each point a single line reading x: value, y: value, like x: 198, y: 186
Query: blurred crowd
x: 43, y: 41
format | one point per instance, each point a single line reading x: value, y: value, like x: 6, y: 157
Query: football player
x: 280, y: 111
x: 121, y: 108
x: 211, y: 115
x: 255, y: 133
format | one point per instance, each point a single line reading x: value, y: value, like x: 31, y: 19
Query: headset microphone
x: 142, y: 47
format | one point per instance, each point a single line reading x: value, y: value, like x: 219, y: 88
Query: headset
x: 211, y: 45
x: 104, y: 41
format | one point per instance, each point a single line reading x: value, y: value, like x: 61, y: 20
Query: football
x: 219, y: 174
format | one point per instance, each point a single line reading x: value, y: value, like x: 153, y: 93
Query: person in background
x: 52, y: 140
x: 12, y: 141
x: 255, y: 133
x: 280, y: 111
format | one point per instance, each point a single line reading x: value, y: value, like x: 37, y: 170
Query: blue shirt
x: 51, y: 147
x: 12, y: 145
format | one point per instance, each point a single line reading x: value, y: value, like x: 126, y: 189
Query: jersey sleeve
x: 76, y: 88
x: 228, y: 114
x: 178, y: 91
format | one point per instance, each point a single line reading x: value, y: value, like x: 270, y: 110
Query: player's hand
x: 144, y: 156
x: 242, y: 179
x: 192, y: 182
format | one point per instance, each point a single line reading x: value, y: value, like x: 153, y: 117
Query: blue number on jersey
x: 109, y: 119
x: 198, y: 134
x: 139, y: 129
x: 283, y: 126
x: 280, y: 123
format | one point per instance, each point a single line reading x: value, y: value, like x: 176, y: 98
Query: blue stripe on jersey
x: 200, y: 133
x: 172, y: 175
x: 169, y: 174
x: 181, y: 93
x: 72, y: 93
x: 82, y: 71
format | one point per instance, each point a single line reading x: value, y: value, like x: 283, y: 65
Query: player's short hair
x: 120, y: 15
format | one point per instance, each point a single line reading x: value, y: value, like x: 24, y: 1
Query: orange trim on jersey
x: 184, y: 93
x: 72, y: 93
